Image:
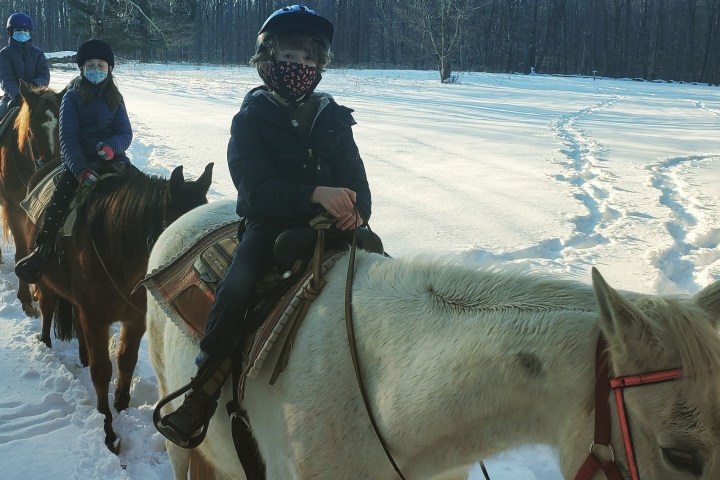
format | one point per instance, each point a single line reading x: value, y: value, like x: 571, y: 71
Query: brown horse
x: 32, y: 137
x: 97, y: 267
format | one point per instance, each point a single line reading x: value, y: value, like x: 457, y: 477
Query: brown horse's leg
x: 82, y: 346
x: 17, y: 223
x: 97, y: 333
x: 130, y: 335
x: 47, y: 300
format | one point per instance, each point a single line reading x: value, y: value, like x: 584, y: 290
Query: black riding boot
x: 187, y: 426
x: 29, y: 268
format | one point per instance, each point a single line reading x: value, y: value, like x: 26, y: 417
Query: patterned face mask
x: 95, y: 76
x: 292, y: 80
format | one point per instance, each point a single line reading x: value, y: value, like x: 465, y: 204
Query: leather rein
x: 354, y: 354
x: 356, y: 362
x: 604, y: 383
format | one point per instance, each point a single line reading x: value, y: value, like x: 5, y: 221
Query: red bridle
x: 603, y: 384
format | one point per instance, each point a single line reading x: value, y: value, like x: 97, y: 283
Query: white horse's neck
x: 476, y: 362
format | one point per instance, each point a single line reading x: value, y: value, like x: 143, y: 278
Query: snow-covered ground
x: 556, y: 174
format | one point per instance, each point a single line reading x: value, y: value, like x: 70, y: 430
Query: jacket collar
x: 262, y: 102
x: 14, y: 43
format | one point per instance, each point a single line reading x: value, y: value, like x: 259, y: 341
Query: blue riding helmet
x: 19, y: 21
x: 298, y: 18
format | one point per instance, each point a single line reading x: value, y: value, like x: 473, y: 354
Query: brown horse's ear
x: 177, y: 181
x: 176, y: 178
x: 61, y: 94
x: 25, y: 89
x: 206, y: 178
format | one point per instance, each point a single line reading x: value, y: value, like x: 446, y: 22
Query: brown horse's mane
x: 22, y: 121
x: 125, y: 213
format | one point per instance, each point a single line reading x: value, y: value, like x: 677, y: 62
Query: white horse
x: 459, y: 364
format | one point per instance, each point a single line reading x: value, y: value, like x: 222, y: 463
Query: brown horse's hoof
x: 122, y: 401
x: 46, y: 341
x: 113, y: 444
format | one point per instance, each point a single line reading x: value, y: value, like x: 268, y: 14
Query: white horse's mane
x: 454, y: 287
x: 682, y: 325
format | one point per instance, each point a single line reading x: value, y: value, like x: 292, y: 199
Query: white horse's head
x: 674, y: 425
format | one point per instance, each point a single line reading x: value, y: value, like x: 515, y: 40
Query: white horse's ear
x: 709, y: 300
x: 624, y: 325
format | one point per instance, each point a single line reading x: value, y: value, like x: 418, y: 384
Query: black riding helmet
x: 19, y: 21
x: 297, y: 18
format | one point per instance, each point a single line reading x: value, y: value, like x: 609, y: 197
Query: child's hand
x: 340, y: 203
x: 104, y: 151
x: 349, y: 221
x: 335, y: 200
x: 89, y: 178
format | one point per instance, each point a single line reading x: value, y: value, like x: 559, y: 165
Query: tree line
x: 649, y: 39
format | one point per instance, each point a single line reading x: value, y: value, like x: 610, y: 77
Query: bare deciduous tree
x: 440, y: 24
x: 653, y: 39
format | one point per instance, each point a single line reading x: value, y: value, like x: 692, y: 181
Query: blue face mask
x: 21, y: 37
x: 95, y: 76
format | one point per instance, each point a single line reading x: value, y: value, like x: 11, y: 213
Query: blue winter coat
x: 276, y: 168
x: 22, y: 61
x: 84, y: 124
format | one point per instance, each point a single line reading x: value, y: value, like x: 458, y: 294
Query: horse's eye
x: 683, y: 460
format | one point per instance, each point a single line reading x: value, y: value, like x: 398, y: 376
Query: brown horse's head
x: 37, y: 124
x: 122, y: 210
x: 182, y: 196
x: 34, y: 136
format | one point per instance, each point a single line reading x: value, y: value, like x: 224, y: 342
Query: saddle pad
x: 38, y: 198
x: 36, y: 201
x: 183, y: 285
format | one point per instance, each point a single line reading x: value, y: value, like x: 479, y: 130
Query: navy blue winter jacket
x: 276, y: 168
x: 84, y: 124
x: 22, y: 61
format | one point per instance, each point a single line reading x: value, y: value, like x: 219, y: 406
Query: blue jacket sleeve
x: 8, y: 82
x: 122, y: 131
x: 42, y: 71
x: 70, y: 145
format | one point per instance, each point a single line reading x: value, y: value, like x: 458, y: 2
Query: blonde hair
x: 269, y: 44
